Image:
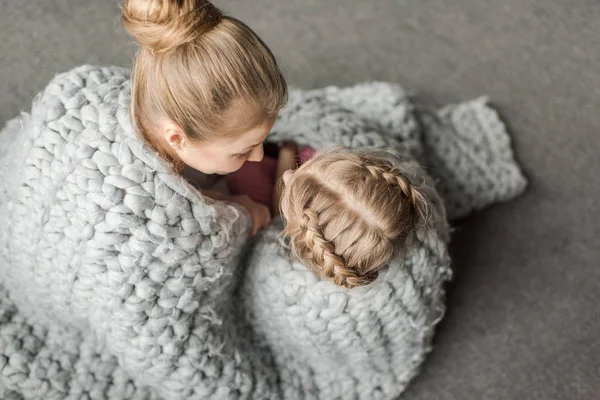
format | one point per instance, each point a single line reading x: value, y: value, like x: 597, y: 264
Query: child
x: 346, y: 213
x: 205, y: 89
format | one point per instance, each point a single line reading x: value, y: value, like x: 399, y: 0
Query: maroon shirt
x: 257, y: 179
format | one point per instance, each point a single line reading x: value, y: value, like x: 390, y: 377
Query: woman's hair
x: 207, y: 72
x: 347, y: 214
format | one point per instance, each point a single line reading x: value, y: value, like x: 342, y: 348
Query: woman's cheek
x: 239, y: 163
x: 233, y: 165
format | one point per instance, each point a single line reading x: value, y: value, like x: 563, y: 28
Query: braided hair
x: 347, y: 214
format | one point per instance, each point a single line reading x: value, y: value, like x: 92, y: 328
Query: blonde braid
x: 324, y: 259
x: 393, y: 176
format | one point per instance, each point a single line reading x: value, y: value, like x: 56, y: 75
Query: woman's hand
x: 261, y: 216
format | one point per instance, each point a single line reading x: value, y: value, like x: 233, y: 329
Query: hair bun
x: 160, y: 26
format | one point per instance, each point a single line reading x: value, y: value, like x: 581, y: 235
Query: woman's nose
x: 256, y: 154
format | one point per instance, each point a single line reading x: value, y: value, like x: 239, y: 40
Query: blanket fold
x: 119, y: 280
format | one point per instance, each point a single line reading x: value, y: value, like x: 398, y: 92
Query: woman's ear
x: 173, y: 135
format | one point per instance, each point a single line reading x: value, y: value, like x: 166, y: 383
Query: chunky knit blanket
x: 119, y: 280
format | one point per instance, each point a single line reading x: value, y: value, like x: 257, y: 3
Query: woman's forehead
x: 242, y: 115
x: 253, y: 136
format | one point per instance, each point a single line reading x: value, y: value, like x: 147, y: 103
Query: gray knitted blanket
x: 119, y: 280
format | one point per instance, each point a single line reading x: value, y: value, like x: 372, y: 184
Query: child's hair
x: 207, y: 72
x: 347, y: 214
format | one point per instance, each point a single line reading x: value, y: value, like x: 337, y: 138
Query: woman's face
x: 227, y: 156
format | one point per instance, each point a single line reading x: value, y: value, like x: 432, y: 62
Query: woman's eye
x: 243, y: 155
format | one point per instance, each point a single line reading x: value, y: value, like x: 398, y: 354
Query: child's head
x: 205, y: 90
x: 347, y: 214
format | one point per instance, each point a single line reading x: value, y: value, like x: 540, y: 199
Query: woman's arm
x: 286, y: 160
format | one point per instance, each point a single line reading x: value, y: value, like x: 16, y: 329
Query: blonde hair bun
x: 160, y: 26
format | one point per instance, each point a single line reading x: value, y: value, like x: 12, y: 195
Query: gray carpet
x: 523, y: 319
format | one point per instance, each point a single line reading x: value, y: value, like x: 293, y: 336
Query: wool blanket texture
x: 120, y: 280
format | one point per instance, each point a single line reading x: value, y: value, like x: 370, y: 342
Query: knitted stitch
x: 119, y: 280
